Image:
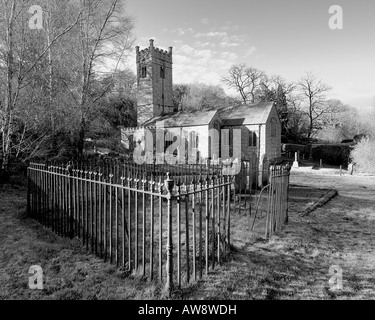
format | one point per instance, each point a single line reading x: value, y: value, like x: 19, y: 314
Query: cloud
x: 204, y: 54
x: 232, y: 28
x: 179, y: 31
x: 224, y: 39
x: 178, y: 42
x: 238, y: 38
x: 186, y: 50
x: 226, y: 44
x: 201, y: 64
x: 144, y: 41
x: 250, y: 51
x: 229, y: 55
x: 205, y: 21
x: 211, y: 34
x: 200, y: 44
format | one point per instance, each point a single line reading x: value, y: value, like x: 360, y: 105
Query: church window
x: 169, y: 139
x: 273, y: 128
x: 191, y: 139
x: 162, y: 72
x: 252, y: 139
x: 231, y: 142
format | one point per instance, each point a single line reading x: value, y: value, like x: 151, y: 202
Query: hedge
x: 303, y: 149
x: 334, y: 154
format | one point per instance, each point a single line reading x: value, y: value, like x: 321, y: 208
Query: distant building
x: 256, y: 128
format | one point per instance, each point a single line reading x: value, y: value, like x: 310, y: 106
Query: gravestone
x: 295, y: 163
x: 350, y: 168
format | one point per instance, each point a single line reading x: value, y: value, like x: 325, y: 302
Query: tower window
x: 162, y: 72
x: 144, y: 72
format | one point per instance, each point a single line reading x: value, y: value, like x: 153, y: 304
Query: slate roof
x: 183, y: 119
x: 237, y: 115
x: 256, y: 113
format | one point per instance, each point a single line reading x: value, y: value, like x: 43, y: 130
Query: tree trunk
x: 7, y: 129
x: 50, y: 73
x: 81, y: 138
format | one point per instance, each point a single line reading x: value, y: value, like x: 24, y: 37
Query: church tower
x: 154, y: 81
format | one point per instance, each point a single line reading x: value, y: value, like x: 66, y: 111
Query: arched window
x: 273, y: 128
x: 168, y: 140
x: 191, y: 139
x: 143, y: 72
x: 252, y: 139
x: 162, y: 72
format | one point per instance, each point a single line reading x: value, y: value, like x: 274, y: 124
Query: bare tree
x: 50, y: 77
x: 20, y: 59
x: 104, y: 33
x: 334, y: 115
x: 200, y: 96
x: 313, y: 91
x: 246, y: 80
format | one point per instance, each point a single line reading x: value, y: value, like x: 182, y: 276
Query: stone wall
x: 161, y: 85
x: 202, y: 149
x: 236, y: 143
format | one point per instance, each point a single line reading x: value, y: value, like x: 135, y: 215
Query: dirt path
x: 295, y: 264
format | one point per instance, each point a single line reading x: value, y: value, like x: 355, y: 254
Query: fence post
x: 287, y: 167
x: 69, y: 169
x: 169, y: 285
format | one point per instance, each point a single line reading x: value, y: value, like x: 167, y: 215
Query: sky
x: 280, y: 37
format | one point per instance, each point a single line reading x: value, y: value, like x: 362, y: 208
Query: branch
x: 51, y: 44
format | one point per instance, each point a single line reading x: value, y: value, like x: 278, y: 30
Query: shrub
x: 334, y: 154
x: 363, y: 155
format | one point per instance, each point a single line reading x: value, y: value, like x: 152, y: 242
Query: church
x: 240, y: 131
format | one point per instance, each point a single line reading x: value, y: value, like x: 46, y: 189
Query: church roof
x: 183, y: 119
x: 248, y: 114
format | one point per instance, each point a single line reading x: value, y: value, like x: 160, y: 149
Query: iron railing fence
x: 118, y: 167
x: 129, y: 220
x: 172, y: 225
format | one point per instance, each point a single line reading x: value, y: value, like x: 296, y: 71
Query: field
x: 293, y: 265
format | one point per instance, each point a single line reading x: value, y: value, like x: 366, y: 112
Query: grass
x: 70, y: 272
x: 118, y: 251
x: 294, y: 264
